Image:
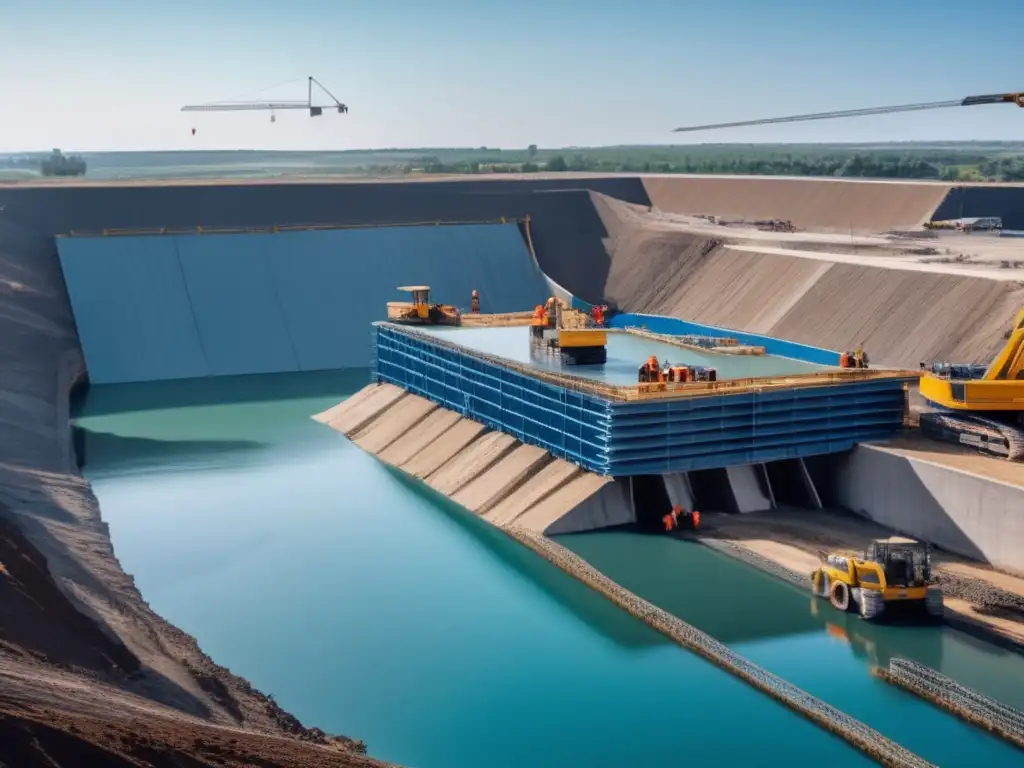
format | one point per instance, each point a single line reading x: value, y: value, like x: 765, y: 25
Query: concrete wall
x: 184, y: 306
x: 960, y: 512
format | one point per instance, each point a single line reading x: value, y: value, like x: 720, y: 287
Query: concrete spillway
x: 154, y: 307
x: 489, y: 473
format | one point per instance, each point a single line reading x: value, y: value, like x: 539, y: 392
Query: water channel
x: 371, y: 606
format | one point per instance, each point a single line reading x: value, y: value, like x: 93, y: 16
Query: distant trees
x: 556, y: 164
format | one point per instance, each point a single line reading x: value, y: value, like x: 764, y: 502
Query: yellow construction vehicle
x: 420, y: 311
x: 896, y: 573
x: 572, y: 335
x: 980, y: 406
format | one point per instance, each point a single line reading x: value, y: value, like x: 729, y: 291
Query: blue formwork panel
x: 235, y: 304
x: 571, y: 425
x: 132, y: 309
x: 642, y: 437
x: 184, y: 306
x: 673, y: 326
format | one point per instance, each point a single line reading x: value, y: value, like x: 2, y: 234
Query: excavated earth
x: 74, y: 629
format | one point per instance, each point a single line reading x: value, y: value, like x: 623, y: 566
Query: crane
x: 970, y: 101
x: 273, y: 106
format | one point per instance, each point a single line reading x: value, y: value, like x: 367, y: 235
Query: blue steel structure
x: 621, y: 438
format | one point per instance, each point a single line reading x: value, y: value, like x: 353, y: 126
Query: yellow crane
x: 970, y: 101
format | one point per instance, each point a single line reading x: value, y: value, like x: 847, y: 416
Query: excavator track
x: 986, y: 435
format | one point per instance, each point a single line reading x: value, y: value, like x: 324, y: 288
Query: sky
x: 113, y: 74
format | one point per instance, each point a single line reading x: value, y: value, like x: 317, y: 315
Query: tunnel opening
x: 650, y: 499
x: 790, y: 484
x: 712, y: 491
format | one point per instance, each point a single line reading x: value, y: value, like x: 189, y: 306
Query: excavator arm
x: 1009, y: 363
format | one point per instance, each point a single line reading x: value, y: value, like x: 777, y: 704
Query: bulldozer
x: 420, y: 311
x: 896, y: 574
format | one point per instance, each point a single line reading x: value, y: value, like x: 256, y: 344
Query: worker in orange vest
x: 475, y: 309
x: 669, y: 521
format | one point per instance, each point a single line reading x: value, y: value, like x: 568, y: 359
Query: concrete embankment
x: 935, y: 493
x: 490, y: 473
x: 902, y: 317
x: 824, y: 205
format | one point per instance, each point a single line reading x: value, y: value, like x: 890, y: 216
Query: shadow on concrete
x: 1004, y: 202
x: 886, y: 488
x: 220, y: 390
x: 585, y: 604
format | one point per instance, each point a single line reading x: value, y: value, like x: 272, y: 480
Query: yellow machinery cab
x: 896, y: 571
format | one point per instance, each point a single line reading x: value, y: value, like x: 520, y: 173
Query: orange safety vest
x: 667, y: 519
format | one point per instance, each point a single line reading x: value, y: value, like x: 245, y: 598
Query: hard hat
x: 475, y: 294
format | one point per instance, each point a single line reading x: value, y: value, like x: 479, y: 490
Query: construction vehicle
x: 653, y: 372
x: 420, y: 311
x: 571, y: 335
x: 979, y: 406
x: 896, y: 574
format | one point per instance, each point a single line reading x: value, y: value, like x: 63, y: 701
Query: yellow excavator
x: 980, y: 406
x: 420, y: 311
x: 895, y: 574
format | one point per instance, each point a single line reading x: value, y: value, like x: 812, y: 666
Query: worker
x: 858, y: 356
x: 597, y: 312
x: 475, y: 308
x: 844, y: 360
x: 669, y: 522
x: 695, y: 517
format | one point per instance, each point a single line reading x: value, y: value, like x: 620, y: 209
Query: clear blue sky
x: 112, y: 74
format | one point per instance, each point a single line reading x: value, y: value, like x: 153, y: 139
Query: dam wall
x: 194, y: 305
x: 1006, y: 202
x: 823, y: 205
x: 572, y: 420
x: 970, y: 515
x: 901, y: 317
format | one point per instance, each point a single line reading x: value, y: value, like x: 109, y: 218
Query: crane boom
x: 970, y: 101
x: 315, y: 110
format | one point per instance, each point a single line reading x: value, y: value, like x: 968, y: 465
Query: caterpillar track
x: 987, y: 435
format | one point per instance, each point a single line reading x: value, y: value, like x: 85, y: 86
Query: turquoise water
x: 625, y: 354
x: 807, y: 642
x: 370, y: 606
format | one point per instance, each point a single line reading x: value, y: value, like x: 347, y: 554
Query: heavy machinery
x: 315, y: 110
x: 420, y: 311
x: 896, y: 574
x: 980, y: 406
x: 556, y: 329
x: 970, y: 101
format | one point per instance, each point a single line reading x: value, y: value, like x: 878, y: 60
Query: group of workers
x: 651, y: 372
x: 859, y: 359
x: 677, y: 518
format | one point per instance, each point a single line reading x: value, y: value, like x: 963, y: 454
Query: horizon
x: 481, y: 148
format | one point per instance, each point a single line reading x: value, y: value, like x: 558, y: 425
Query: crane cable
x: 970, y: 101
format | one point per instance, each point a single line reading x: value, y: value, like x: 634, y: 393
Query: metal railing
x: 274, y: 228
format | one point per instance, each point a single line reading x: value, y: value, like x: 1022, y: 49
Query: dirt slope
x: 818, y: 204
x: 902, y: 317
